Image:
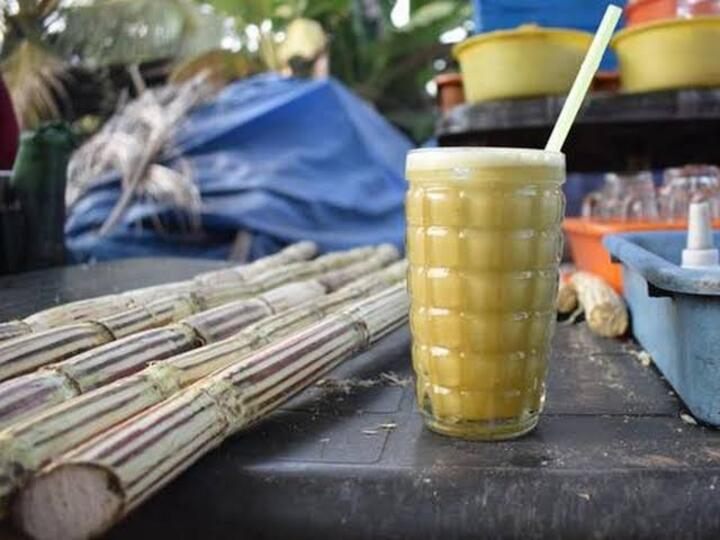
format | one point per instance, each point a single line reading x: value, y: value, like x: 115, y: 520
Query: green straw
x: 583, y: 79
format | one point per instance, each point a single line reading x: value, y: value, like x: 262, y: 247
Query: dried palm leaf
x: 129, y: 143
x: 36, y: 81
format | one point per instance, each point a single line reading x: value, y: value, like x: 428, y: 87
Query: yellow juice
x: 484, y: 244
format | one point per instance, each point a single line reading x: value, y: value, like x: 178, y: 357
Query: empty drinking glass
x: 693, y: 8
x: 683, y: 185
x: 623, y: 197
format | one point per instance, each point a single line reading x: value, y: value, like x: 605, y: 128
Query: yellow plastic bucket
x: 524, y: 62
x: 680, y: 53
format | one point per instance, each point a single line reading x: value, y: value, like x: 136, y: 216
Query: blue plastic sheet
x: 283, y: 159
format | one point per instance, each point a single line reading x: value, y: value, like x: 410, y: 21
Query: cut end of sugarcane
x: 71, y: 501
x: 608, y: 321
x: 605, y: 310
x: 567, y: 299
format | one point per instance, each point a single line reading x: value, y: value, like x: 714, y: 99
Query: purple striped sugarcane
x: 26, y: 446
x: 105, y: 306
x: 84, y: 492
x: 29, y: 352
x: 29, y: 394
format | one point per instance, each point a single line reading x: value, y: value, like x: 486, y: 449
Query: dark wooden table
x: 611, y: 457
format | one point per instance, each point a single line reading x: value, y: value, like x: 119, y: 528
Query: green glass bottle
x: 38, y: 181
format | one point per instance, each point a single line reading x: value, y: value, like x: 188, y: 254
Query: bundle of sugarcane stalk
x: 29, y: 352
x: 55, y: 423
x: 85, y: 491
x: 28, y: 445
x: 107, y: 305
x: 26, y: 395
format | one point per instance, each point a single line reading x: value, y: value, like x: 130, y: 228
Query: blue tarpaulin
x: 283, y: 159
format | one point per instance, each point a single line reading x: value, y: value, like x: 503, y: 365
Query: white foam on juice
x: 453, y: 157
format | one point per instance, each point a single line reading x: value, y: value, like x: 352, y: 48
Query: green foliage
x: 112, y: 32
x: 391, y: 70
x: 387, y: 66
x: 44, y: 37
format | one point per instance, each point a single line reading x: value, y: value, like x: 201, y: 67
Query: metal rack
x: 613, y: 131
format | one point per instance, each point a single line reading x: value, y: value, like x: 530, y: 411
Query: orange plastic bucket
x: 645, y: 11
x: 450, y: 92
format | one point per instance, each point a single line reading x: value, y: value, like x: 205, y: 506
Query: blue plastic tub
x: 675, y: 314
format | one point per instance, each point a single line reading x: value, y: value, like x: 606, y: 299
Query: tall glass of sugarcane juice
x: 484, y: 244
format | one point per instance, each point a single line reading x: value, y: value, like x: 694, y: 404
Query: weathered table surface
x: 610, y: 459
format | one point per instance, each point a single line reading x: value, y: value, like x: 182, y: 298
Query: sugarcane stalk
x: 236, y: 275
x: 301, y: 251
x: 216, y: 325
x: 567, y: 300
x: 75, y: 312
x: 29, y: 352
x: 29, y: 394
x: 103, y: 306
x: 13, y: 329
x: 28, y: 445
x: 605, y: 311
x: 222, y: 293
x: 84, y: 492
x: 26, y: 395
x: 194, y: 365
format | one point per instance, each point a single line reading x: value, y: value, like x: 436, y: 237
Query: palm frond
x: 36, y: 80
